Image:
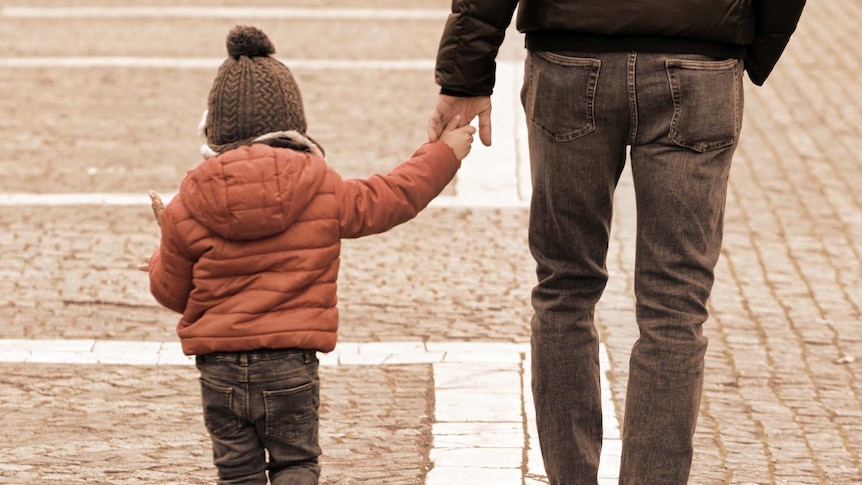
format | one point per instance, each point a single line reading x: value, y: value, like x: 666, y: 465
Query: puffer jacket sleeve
x: 774, y: 22
x: 471, y: 39
x: 170, y: 267
x: 381, y: 202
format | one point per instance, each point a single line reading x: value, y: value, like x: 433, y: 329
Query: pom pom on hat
x: 248, y: 41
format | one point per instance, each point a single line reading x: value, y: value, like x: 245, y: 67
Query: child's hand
x: 146, y: 266
x: 158, y: 206
x: 458, y: 139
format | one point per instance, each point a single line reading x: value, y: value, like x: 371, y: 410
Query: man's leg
x: 690, y: 112
x: 577, y: 124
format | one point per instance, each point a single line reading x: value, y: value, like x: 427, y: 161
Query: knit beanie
x: 253, y: 94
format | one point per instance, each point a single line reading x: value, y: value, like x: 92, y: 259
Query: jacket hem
x: 566, y: 41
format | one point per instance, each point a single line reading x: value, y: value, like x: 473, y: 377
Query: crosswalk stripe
x: 209, y: 63
x: 204, y: 12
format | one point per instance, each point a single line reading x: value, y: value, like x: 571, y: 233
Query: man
x: 663, y: 77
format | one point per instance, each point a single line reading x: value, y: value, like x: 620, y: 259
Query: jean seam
x: 633, y: 101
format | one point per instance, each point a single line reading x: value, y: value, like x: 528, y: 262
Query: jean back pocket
x: 559, y: 94
x: 219, y: 417
x: 291, y: 413
x: 707, y: 103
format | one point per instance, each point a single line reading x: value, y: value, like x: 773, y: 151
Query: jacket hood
x: 255, y: 191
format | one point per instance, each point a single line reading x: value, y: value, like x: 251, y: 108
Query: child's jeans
x: 262, y: 402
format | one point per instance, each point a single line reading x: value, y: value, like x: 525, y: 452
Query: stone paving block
x: 409, y: 358
x: 459, y: 435
x: 140, y: 353
x: 472, y: 347
x: 535, y: 464
x: 447, y: 475
x: 469, y: 358
x: 458, y: 405
x: 450, y: 376
x: 488, y: 458
x: 363, y: 359
x: 609, y: 469
x: 171, y: 353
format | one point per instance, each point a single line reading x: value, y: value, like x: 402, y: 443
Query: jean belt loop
x: 309, y: 356
x: 243, y: 359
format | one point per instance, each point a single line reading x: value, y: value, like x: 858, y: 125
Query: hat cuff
x: 210, y: 151
x: 296, y: 137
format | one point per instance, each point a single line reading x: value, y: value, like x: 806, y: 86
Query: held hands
x: 468, y: 108
x: 458, y: 139
x: 158, y: 208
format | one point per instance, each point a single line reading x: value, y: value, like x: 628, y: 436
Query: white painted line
x: 226, y: 13
x: 346, y: 353
x: 446, y: 475
x: 112, y: 61
x: 609, y: 461
x: 484, y: 201
x: 211, y: 63
x: 70, y: 199
x: 472, y: 435
x: 493, y: 174
x: 58, y: 345
x: 482, y: 458
x: 126, y: 199
x: 477, y: 347
x: 504, y: 377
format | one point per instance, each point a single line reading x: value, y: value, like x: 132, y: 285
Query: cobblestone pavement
x: 121, y: 424
x: 63, y: 263
x: 782, y: 399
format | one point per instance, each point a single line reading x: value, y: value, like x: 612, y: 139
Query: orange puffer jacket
x: 250, y: 246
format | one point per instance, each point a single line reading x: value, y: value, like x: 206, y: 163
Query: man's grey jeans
x: 681, y: 115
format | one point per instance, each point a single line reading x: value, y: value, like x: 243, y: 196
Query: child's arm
x: 170, y: 269
x: 381, y: 202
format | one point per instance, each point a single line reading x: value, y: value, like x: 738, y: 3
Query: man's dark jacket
x: 754, y: 30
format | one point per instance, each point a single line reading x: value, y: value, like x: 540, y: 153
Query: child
x: 249, y: 256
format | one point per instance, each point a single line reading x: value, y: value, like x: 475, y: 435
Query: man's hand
x: 468, y: 108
